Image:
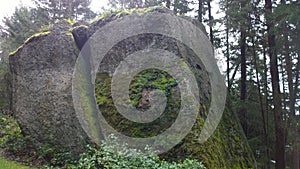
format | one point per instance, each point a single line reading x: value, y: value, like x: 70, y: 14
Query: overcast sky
x: 7, y: 7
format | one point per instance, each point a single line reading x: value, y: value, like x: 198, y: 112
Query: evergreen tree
x: 17, y: 28
x: 65, y: 9
x: 275, y: 81
x: 21, y: 25
x: 245, y: 19
x: 129, y: 4
x: 287, y: 31
x: 178, y: 6
x: 181, y: 7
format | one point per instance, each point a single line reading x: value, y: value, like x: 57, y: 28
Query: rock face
x: 42, y: 99
x: 42, y: 94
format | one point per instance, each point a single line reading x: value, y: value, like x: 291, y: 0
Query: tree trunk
x: 227, y: 58
x: 243, y: 90
x: 227, y: 48
x: 200, y: 10
x: 279, y: 131
x: 295, y: 142
x: 266, y: 105
x: 292, y: 102
x: 262, y: 109
x: 293, y: 121
x: 211, y: 34
x: 292, y: 87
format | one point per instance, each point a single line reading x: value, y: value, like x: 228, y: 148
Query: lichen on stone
x: 37, y: 35
x: 31, y: 38
x: 15, y: 51
x: 120, y: 12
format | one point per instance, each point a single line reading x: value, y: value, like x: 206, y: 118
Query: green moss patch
x: 119, y: 13
x: 146, y: 80
x: 225, y: 149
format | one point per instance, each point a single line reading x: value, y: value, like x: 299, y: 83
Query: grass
x: 5, y: 164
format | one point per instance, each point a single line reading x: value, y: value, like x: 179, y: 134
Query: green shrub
x: 11, y: 138
x: 113, y: 155
x: 25, y: 148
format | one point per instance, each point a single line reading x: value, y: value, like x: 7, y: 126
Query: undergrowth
x: 111, y: 153
x: 25, y: 149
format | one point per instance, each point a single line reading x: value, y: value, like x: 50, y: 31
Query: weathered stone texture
x: 42, y: 99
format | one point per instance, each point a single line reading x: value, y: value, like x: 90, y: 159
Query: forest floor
x: 16, y: 161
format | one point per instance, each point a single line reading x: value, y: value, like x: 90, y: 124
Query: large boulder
x: 42, y: 92
x: 42, y: 72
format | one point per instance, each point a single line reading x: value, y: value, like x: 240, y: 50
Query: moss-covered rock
x: 226, y: 148
x: 42, y: 98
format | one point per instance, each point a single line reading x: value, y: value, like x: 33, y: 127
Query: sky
x: 7, y: 7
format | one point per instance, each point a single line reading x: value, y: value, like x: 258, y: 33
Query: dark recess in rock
x: 80, y: 35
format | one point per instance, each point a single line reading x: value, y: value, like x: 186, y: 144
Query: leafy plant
x: 113, y: 155
x: 25, y: 148
x: 11, y: 138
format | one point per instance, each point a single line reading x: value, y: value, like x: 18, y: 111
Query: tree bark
x: 279, y: 131
x: 243, y: 90
x: 227, y: 58
x: 211, y: 34
x: 292, y: 87
x: 266, y: 105
x: 295, y: 143
x: 293, y: 90
x: 262, y: 109
x: 200, y: 10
